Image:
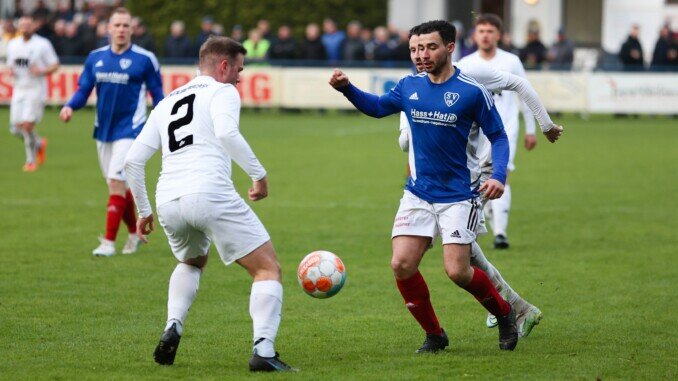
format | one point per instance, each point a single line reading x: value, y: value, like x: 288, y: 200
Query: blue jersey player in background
x: 445, y: 109
x: 122, y: 73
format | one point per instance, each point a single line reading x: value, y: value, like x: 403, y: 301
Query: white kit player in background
x: 527, y: 315
x: 488, y: 29
x: 196, y: 127
x: 30, y: 58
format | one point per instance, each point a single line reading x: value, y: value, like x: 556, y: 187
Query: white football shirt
x: 189, y: 125
x: 507, y: 102
x: 22, y: 54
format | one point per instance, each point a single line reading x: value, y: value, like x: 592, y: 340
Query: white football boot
x: 132, y: 244
x: 105, y: 249
x: 528, y: 319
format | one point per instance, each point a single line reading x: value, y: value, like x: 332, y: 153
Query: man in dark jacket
x: 631, y: 53
x: 284, y: 47
x: 665, y: 57
x: 312, y: 47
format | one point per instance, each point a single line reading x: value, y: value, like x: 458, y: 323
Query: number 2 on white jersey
x: 183, y: 121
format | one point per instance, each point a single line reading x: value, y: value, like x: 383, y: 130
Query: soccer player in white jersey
x: 196, y: 128
x: 527, y: 315
x: 487, y: 34
x: 445, y: 109
x: 30, y: 58
x: 122, y: 73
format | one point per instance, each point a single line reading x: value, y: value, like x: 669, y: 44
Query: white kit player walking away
x: 122, y: 74
x: 30, y: 58
x: 487, y: 34
x: 196, y: 127
x: 527, y: 315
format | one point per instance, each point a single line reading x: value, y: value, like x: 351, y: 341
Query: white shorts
x: 112, y: 158
x: 26, y: 106
x: 193, y: 221
x: 455, y: 222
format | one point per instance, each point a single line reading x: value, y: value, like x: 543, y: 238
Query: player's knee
x: 198, y: 262
x: 403, y: 269
x: 458, y: 274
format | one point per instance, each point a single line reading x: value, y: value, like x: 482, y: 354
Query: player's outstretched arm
x: 367, y: 103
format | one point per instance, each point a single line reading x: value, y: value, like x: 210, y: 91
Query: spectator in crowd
x: 665, y: 57
x: 218, y: 30
x: 8, y: 33
x: 206, y: 30
x: 401, y: 51
x: 368, y: 42
x: 468, y: 45
x: 383, y: 49
x: 256, y: 46
x: 42, y: 27
x: 178, y: 45
x: 59, y: 36
x: 284, y: 47
x: 312, y: 47
x: 40, y: 11
x: 561, y: 54
x: 140, y: 35
x: 102, y: 34
x: 533, y: 54
x: 506, y: 43
x: 332, y: 39
x: 71, y: 45
x: 237, y: 34
x: 354, y: 47
x: 264, y: 28
x: 631, y: 53
x: 63, y: 12
x: 88, y: 31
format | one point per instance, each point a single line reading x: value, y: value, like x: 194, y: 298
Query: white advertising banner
x: 633, y: 93
x: 308, y: 88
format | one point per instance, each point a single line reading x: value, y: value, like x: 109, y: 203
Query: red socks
x: 417, y: 299
x: 130, y: 213
x: 484, y: 291
x: 116, y: 208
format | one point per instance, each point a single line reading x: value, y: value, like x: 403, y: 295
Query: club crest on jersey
x: 451, y: 98
x: 125, y: 63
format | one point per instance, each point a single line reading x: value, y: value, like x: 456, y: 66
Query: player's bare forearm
x: 554, y: 133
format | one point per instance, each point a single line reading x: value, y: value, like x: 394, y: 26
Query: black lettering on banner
x: 177, y: 124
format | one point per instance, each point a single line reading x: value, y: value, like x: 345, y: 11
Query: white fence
x: 598, y: 92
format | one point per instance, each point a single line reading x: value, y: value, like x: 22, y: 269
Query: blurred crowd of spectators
x: 75, y: 34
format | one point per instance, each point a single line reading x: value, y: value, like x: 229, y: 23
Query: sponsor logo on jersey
x: 112, y: 77
x: 99, y: 63
x: 125, y: 63
x: 437, y: 118
x: 451, y: 98
x: 414, y: 97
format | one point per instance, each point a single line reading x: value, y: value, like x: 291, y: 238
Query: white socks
x: 30, y: 145
x: 183, y: 286
x: 479, y: 260
x: 500, y: 212
x: 265, y: 309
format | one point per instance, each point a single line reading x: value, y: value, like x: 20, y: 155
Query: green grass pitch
x: 593, y: 234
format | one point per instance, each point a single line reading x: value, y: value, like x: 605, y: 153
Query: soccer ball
x: 321, y: 274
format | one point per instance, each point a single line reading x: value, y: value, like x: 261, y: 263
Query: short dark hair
x: 218, y: 46
x: 446, y: 30
x: 489, y: 18
x: 121, y: 11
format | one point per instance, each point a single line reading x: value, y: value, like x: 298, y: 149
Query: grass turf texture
x: 592, y: 234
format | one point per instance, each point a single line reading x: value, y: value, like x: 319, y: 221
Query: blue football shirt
x: 444, y: 120
x: 121, y: 82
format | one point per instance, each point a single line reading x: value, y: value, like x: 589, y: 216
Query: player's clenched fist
x: 492, y: 189
x: 554, y: 133
x: 339, y: 79
x: 66, y: 113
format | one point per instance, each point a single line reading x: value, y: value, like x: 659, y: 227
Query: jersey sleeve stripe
x: 488, y: 98
x: 150, y: 55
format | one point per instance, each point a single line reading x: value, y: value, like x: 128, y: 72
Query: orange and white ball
x: 321, y: 274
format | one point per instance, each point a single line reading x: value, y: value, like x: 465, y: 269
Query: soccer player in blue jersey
x: 122, y: 74
x: 445, y: 109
